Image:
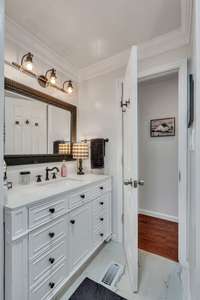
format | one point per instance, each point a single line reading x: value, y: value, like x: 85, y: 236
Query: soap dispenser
x: 64, y: 169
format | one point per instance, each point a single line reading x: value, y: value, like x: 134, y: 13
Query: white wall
x: 100, y: 116
x: 158, y: 157
x: 1, y: 142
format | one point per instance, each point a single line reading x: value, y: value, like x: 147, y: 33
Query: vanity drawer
x: 99, y: 190
x: 45, y: 212
x: 45, y: 237
x: 100, y: 204
x: 99, y: 235
x: 45, y: 289
x: 46, y: 263
x: 99, y: 220
x: 78, y: 199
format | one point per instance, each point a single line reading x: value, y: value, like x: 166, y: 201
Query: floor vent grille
x: 112, y: 275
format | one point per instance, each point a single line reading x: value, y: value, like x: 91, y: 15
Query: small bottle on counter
x: 64, y: 169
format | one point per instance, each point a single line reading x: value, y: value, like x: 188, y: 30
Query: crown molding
x: 26, y: 41
x: 186, y: 19
x: 161, y: 44
x: 156, y: 46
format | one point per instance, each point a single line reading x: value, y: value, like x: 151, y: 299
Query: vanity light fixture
x: 27, y: 61
x: 69, y: 86
x: 49, y: 79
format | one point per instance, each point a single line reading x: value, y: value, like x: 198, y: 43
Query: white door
x: 130, y: 167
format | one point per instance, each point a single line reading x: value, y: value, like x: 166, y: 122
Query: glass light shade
x: 69, y: 90
x: 27, y: 61
x: 80, y: 151
x: 28, y: 65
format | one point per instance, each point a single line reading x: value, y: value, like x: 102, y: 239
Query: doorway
x: 158, y: 165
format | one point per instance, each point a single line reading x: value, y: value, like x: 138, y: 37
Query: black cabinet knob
x: 101, y: 187
x: 27, y: 122
x: 101, y: 234
x: 51, y: 284
x: 52, y: 210
x: 17, y: 122
x: 101, y: 203
x: 51, y: 260
x: 72, y: 221
x: 102, y: 219
x: 51, y: 234
x: 82, y: 196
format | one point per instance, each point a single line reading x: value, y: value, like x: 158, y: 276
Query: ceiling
x: 84, y: 32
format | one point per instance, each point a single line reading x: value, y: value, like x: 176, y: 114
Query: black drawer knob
x: 52, y: 210
x: 101, y: 234
x: 101, y: 187
x: 102, y: 219
x: 51, y: 284
x: 51, y: 260
x: 82, y: 196
x: 72, y: 221
x: 101, y: 203
x: 51, y: 234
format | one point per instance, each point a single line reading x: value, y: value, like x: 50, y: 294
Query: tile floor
x: 159, y: 277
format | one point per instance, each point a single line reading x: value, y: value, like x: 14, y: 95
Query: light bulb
x: 29, y: 66
x: 69, y: 90
x: 53, y: 79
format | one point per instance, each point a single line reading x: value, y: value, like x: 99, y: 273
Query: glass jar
x: 25, y: 177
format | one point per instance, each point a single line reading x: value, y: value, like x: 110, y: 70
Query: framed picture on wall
x: 162, y: 127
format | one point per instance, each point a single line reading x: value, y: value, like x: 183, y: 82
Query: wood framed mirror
x: 36, y: 125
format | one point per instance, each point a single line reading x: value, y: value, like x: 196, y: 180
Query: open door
x: 130, y: 167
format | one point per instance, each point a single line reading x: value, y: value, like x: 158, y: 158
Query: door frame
x: 179, y: 66
x: 1, y: 147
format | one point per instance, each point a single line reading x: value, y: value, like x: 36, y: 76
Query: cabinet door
x: 80, y: 232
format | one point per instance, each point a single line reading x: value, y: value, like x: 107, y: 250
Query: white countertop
x: 27, y: 195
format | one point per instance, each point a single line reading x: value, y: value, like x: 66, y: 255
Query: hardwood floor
x: 158, y: 236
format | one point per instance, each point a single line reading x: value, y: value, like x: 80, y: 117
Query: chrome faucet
x: 50, y: 170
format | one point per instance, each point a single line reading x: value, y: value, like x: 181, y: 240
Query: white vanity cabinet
x: 80, y: 232
x: 47, y: 241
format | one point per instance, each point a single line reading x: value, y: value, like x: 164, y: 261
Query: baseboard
x: 159, y: 215
x: 185, y: 278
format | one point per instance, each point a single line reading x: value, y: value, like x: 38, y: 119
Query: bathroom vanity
x: 51, y: 229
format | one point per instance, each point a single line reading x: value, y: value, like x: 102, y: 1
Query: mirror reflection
x: 34, y: 127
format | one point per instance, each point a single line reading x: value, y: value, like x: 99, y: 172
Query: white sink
x: 68, y: 181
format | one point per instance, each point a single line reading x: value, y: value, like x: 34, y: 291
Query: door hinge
x: 124, y: 104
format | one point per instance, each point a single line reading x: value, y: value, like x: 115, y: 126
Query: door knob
x: 138, y: 182
x: 128, y: 182
x: 141, y: 182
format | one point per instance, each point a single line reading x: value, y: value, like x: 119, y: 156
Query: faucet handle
x: 39, y: 178
x: 54, y: 175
